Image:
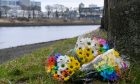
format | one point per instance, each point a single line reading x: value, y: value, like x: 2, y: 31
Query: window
x: 4, y: 3
x: 12, y: 3
x: 17, y: 3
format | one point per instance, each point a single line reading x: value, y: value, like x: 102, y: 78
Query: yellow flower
x: 71, y: 66
x: 66, y: 78
x: 116, y: 54
x: 85, y: 55
x: 79, y: 52
x: 82, y: 59
x: 77, y: 64
x: 89, y: 50
x: 89, y: 56
x: 72, y: 59
x: 81, y: 55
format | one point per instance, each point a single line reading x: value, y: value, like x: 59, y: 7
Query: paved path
x: 11, y: 53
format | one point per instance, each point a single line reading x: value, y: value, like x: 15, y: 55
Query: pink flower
x: 102, y: 41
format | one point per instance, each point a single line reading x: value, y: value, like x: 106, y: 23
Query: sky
x: 69, y: 3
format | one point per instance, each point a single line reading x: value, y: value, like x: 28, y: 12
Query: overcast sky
x: 70, y: 3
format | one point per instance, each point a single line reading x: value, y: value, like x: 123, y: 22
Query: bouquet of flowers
x: 109, y: 65
x: 90, y: 55
x: 62, y: 67
x: 87, y: 49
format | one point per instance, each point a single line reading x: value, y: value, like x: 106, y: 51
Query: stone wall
x: 122, y: 21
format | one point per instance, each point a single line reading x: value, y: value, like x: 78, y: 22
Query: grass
x: 29, y: 69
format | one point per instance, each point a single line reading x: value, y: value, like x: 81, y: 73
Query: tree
x: 35, y: 8
x: 49, y: 10
x: 38, y: 9
x: 59, y: 9
x: 66, y: 13
x: 56, y: 14
x: 5, y: 9
x: 13, y: 13
x: 25, y: 8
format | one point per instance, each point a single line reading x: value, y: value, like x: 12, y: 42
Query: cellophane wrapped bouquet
x: 90, y: 56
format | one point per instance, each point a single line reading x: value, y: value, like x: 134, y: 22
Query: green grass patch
x: 30, y: 68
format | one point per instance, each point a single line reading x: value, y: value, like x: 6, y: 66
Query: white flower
x: 95, y: 44
x: 62, y: 66
x: 61, y: 59
x: 62, y: 62
x: 89, y: 43
x: 66, y: 59
x: 79, y: 46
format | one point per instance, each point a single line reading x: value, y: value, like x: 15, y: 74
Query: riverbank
x: 29, y: 68
x: 14, y: 52
x: 45, y: 22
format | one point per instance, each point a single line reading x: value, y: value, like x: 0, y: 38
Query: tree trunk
x: 121, y: 19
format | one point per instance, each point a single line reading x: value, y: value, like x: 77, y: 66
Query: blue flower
x: 58, y: 55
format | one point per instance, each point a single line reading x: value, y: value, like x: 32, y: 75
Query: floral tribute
x: 87, y: 49
x: 90, y: 55
x: 62, y: 67
x: 109, y: 65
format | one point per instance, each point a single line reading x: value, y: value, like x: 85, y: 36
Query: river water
x: 17, y: 36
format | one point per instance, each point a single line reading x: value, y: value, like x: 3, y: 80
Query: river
x: 17, y: 36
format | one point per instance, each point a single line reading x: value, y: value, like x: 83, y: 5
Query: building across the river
x: 24, y: 3
x: 91, y: 12
x: 13, y: 4
x: 18, y: 8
